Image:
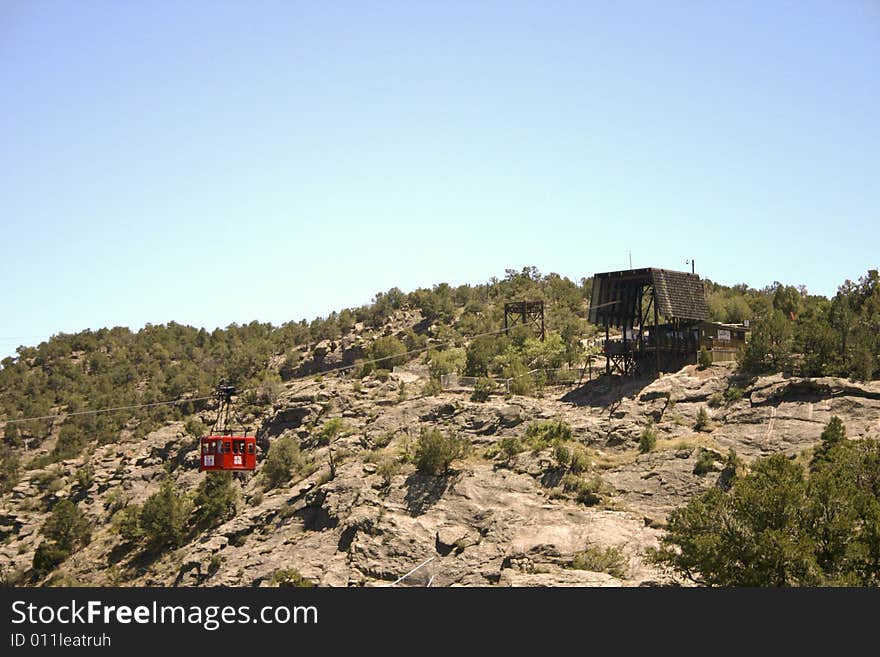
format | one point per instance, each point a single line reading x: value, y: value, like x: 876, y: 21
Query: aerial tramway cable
x: 105, y: 410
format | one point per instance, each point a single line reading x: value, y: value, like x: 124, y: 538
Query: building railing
x: 617, y: 347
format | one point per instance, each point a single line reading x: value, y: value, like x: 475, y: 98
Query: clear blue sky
x: 222, y: 162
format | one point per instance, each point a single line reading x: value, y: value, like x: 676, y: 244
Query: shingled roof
x: 679, y: 295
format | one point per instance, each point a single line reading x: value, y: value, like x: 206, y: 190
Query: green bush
x: 544, y: 354
x: 383, y: 439
x: 702, y: 423
x: 388, y: 466
x: 509, y: 446
x: 11, y: 576
x: 433, y: 387
x: 436, y: 450
x: 777, y: 526
x: 648, y: 439
x: 586, y: 491
x: 85, y: 477
x: 387, y: 352
x: 67, y: 529
x: 126, y: 523
x: 483, y: 389
x: 579, y: 462
x: 216, y: 499
x: 704, y: 358
x: 716, y: 399
x: 214, y: 564
x: 833, y: 434
x: 283, y: 460
x: 733, y: 394
x: 71, y: 441
x: 67, y: 526
x: 705, y: 463
x: 163, y: 517
x: 289, y: 366
x: 480, y: 353
x: 414, y: 341
x: 770, y: 346
x: 331, y: 430
x: 54, y: 485
x: 733, y: 467
x: 446, y: 362
x: 436, y: 304
x: 10, y: 466
x: 39, y: 462
x: 561, y: 453
x: 47, y: 557
x: 589, y: 491
x: 290, y: 578
x: 520, y: 382
x: 540, y: 435
x: 609, y: 560
x: 50, y: 480
x: 195, y: 428
x: 115, y: 500
x: 570, y: 455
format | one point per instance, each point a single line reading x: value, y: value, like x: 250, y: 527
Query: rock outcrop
x: 492, y: 520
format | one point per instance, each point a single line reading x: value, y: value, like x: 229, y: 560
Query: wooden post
x: 656, y: 329
x: 607, y: 359
x: 640, y: 319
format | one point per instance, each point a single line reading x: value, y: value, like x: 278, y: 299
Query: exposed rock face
x: 491, y: 521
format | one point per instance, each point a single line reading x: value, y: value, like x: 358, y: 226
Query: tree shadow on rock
x: 423, y: 491
x: 553, y: 477
x: 119, y: 552
x: 607, y: 390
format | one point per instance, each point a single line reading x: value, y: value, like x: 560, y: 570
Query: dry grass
x: 475, y: 458
x: 805, y: 456
x: 688, y: 442
x: 606, y: 460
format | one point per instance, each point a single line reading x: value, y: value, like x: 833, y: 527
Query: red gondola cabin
x: 228, y: 453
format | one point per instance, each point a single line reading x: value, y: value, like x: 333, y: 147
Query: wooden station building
x: 660, y: 319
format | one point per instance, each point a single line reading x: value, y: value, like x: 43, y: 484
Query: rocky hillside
x: 513, y: 511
